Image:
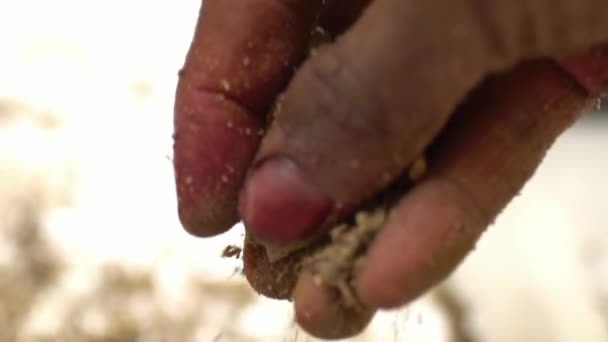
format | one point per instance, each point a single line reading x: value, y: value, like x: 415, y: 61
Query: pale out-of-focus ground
x: 90, y: 245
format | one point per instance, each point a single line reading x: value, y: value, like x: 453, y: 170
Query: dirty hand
x: 490, y: 83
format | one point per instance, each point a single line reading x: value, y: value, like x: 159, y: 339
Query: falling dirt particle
x: 230, y: 169
x: 226, y: 85
x: 261, y: 132
x: 246, y: 61
x: 355, y: 164
x: 230, y: 124
x: 232, y: 251
x: 189, y: 180
x: 417, y: 170
x: 247, y: 131
x: 224, y: 178
x: 306, y: 314
x: 337, y: 264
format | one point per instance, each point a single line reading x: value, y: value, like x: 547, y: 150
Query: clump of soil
x: 337, y: 264
x: 335, y: 258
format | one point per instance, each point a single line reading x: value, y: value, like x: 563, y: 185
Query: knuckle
x: 500, y: 38
x: 338, y: 98
x: 512, y: 30
x: 474, y: 212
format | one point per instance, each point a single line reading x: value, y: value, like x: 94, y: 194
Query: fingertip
x: 271, y: 279
x: 278, y: 204
x: 214, y: 143
x: 206, y: 218
x: 320, y: 312
x: 417, y: 248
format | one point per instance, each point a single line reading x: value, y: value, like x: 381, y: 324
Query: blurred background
x: 91, y: 248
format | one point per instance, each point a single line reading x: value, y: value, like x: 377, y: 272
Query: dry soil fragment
x: 231, y: 251
x: 337, y: 264
x: 333, y: 259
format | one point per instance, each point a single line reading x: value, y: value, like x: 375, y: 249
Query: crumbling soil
x: 335, y: 258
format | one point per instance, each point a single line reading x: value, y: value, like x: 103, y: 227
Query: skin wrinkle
x: 554, y: 27
x: 468, y: 202
x: 226, y: 95
x: 329, y: 73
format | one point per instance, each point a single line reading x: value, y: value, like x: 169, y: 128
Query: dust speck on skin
x: 226, y: 85
x: 398, y: 159
x: 306, y: 314
x: 194, y: 128
x: 418, y: 169
x: 187, y: 110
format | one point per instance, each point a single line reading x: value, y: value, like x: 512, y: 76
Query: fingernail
x: 279, y: 204
x: 589, y: 69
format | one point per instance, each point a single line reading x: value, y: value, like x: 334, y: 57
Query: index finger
x: 242, y: 54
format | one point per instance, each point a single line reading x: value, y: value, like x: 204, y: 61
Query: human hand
x: 489, y: 83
